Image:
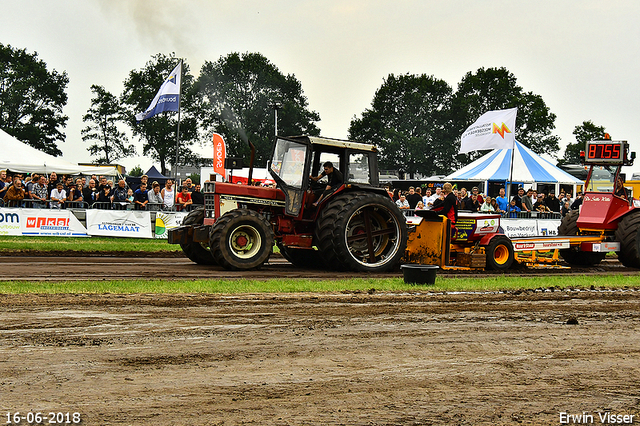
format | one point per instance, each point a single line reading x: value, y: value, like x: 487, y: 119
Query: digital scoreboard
x: 605, y: 152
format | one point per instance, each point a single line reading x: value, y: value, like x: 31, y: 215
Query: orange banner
x: 219, y: 154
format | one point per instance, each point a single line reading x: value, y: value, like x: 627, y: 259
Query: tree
x: 159, y: 132
x: 408, y: 121
x: 496, y: 88
x: 32, y: 99
x: 136, y: 171
x: 584, y: 133
x: 109, y: 143
x: 239, y: 93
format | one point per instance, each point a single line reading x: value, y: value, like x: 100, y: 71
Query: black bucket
x: 419, y: 274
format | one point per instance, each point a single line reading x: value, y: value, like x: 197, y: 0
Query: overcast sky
x: 581, y: 56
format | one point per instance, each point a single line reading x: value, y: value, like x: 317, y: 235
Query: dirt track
x: 105, y: 266
x: 357, y: 359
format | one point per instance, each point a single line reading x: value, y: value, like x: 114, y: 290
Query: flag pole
x: 513, y: 152
x: 178, y: 129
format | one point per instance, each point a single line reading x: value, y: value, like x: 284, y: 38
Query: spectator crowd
x: 41, y: 191
x: 522, y: 204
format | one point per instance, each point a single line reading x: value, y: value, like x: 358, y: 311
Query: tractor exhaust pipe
x: 253, y: 156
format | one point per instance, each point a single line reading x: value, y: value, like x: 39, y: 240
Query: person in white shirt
x: 425, y: 199
x: 402, y: 203
x: 168, y: 195
x: 58, y: 196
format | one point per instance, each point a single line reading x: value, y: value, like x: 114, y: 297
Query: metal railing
x: 82, y: 205
x: 507, y: 215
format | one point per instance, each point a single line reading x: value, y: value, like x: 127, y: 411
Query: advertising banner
x: 43, y: 222
x: 519, y: 227
x: 548, y: 226
x: 529, y: 227
x: 119, y: 223
x: 166, y: 221
x: 10, y: 222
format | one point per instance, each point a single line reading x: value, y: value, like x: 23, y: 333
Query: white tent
x: 528, y: 167
x: 20, y: 157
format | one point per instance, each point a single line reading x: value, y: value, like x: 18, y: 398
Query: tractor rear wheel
x: 241, y: 239
x: 499, y: 253
x: 197, y: 252
x: 361, y: 231
x: 302, y: 258
x: 628, y: 233
x: 573, y: 255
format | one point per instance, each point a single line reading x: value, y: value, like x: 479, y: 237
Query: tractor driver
x: 335, y: 179
x: 621, y: 191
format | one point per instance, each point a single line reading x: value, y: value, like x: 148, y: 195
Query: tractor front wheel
x: 499, y: 253
x: 241, y: 239
x: 197, y: 252
x: 628, y: 233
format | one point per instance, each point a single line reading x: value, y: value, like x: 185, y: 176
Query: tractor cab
x: 297, y: 158
x: 605, y: 200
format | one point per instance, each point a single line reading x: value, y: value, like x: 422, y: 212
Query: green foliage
x: 584, y: 133
x: 496, y: 88
x: 109, y: 144
x: 239, y: 94
x: 354, y: 285
x: 417, y: 121
x: 408, y: 121
x: 32, y: 99
x: 84, y: 244
x: 195, y: 178
x: 158, y: 133
x: 136, y: 171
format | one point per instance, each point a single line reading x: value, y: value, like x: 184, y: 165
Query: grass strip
x: 443, y: 284
x: 85, y: 244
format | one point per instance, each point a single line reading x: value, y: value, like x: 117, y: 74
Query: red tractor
x: 607, y: 209
x: 357, y: 227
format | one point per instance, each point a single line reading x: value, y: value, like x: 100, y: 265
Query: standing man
x: 143, y: 179
x: 476, y: 191
x: 119, y: 196
x: 577, y: 202
x: 189, y: 184
x: 196, y: 196
x: 464, y: 196
x: 4, y: 185
x: 58, y: 196
x: 140, y: 197
x: 518, y: 198
x: 168, y: 195
x: 413, y: 198
x: 502, y: 202
x: 402, y: 203
x: 552, y: 202
x: 40, y: 193
x: 428, y: 199
x: 89, y: 194
x: 103, y: 184
x: 15, y: 194
x: 183, y: 199
x: 335, y: 180
x: 527, y: 201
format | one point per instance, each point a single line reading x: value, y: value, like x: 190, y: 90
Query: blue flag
x: 168, y: 97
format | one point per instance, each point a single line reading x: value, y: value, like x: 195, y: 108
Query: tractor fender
x: 620, y: 214
x: 485, y: 240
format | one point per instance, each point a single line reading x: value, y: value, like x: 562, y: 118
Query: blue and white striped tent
x: 528, y: 167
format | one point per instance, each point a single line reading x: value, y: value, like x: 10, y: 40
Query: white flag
x: 167, y: 98
x: 494, y: 129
